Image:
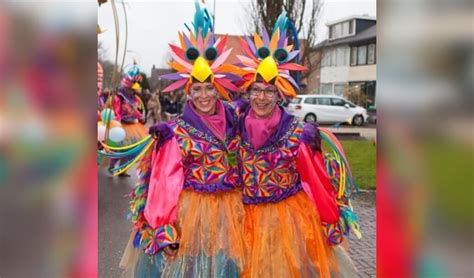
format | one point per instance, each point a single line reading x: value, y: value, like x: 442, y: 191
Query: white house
x: 349, y: 57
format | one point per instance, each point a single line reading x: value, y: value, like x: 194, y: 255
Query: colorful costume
x: 292, y: 219
x: 126, y: 106
x: 189, y: 193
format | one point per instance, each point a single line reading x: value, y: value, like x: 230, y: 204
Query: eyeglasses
x: 268, y: 92
x: 209, y: 90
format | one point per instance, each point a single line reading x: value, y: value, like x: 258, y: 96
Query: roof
x: 364, y: 36
x: 233, y: 42
x: 363, y: 17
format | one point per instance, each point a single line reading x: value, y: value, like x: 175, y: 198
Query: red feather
x: 178, y: 51
x: 221, y: 44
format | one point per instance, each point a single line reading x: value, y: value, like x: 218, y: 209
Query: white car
x: 327, y: 109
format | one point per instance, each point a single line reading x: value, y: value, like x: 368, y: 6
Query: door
x: 339, y: 112
x: 324, y: 109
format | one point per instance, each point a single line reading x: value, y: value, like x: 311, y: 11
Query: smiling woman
x: 289, y: 196
x: 187, y: 208
x: 204, y: 97
x: 263, y: 99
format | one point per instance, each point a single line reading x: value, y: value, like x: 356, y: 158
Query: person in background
x: 126, y: 108
x: 172, y: 106
x: 154, y: 107
x: 145, y: 96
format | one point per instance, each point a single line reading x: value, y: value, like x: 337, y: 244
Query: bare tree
x: 305, y: 15
x: 101, y: 51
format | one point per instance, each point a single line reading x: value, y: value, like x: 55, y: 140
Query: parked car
x: 327, y: 109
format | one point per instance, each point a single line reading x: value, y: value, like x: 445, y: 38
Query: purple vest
x: 269, y: 174
x: 210, y: 165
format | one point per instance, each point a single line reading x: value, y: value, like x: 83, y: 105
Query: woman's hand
x: 171, y: 250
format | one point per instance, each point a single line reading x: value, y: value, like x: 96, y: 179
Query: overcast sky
x: 154, y: 24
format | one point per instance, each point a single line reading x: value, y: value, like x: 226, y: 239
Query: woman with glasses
x: 187, y: 209
x: 293, y: 218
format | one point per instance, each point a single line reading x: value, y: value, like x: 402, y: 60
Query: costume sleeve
x: 155, y: 198
x: 327, y: 179
x: 316, y: 184
x: 166, y: 183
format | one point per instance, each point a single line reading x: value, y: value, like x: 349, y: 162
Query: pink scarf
x: 259, y: 130
x: 216, y: 123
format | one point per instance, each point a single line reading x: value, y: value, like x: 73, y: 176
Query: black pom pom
x: 280, y: 55
x: 192, y: 53
x: 211, y: 54
x: 263, y: 52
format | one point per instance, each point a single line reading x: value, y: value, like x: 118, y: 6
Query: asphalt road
x: 114, y: 228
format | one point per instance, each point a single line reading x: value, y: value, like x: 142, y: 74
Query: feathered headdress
x: 201, y: 57
x: 269, y: 58
x: 132, y: 79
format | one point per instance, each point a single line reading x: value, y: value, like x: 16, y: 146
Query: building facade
x: 348, y: 58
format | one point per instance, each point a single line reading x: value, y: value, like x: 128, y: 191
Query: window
x: 351, y: 27
x: 352, y: 105
x: 332, y: 32
x: 338, y: 102
x: 362, y: 55
x: 333, y: 57
x: 342, y: 56
x: 326, y: 89
x: 345, y: 28
x: 347, y: 55
x: 296, y: 100
x: 339, y: 89
x: 310, y: 100
x: 327, y: 57
x: 324, y: 101
x: 371, y: 54
x: 338, y: 30
x: 353, y: 56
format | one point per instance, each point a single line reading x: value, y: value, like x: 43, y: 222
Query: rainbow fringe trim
x: 149, y: 239
x: 339, y: 171
x: 133, y: 152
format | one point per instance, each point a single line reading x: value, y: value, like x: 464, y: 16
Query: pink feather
x: 221, y: 59
x: 175, y: 85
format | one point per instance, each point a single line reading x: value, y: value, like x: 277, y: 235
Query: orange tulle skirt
x: 285, y: 239
x: 210, y: 223
x: 134, y: 133
x: 211, y: 244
